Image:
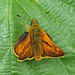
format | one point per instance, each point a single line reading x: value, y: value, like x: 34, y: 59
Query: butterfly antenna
x: 23, y: 18
x: 44, y: 15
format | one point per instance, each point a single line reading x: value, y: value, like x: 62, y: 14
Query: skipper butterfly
x: 36, y: 43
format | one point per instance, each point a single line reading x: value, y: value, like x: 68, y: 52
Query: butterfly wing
x: 21, y: 39
x: 49, y: 48
x: 22, y: 47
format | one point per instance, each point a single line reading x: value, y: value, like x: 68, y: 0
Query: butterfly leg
x: 27, y: 27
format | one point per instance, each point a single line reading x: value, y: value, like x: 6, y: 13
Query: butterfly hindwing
x: 49, y: 48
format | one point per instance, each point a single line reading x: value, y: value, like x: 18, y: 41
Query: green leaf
x: 59, y: 24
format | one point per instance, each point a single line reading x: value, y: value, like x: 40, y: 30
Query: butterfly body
x: 36, y: 39
x: 36, y: 44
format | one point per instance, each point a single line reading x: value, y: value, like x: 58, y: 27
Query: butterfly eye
x: 31, y: 24
x: 37, y: 22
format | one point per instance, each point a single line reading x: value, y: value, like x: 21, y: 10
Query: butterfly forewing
x: 49, y: 48
x: 21, y: 39
x: 22, y: 47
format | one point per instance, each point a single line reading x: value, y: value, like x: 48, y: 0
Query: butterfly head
x: 34, y: 22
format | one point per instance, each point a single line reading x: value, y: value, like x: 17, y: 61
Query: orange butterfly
x: 36, y: 44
